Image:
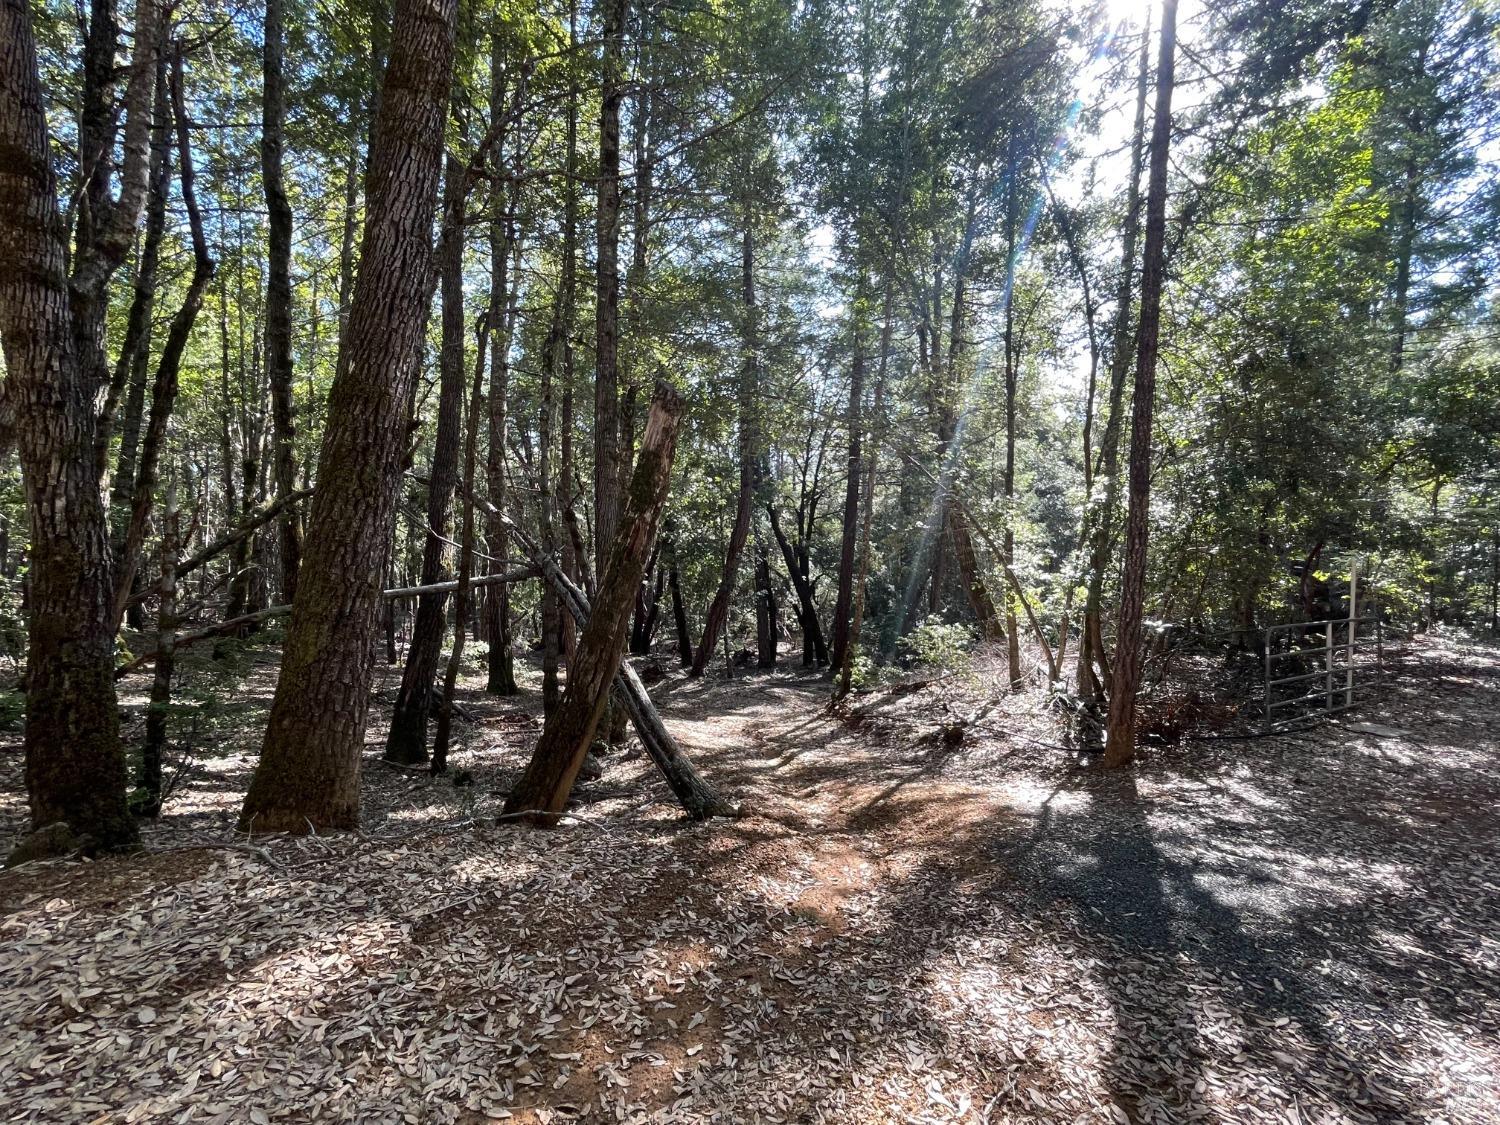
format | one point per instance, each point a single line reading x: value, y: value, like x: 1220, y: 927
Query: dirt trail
x: 1297, y: 929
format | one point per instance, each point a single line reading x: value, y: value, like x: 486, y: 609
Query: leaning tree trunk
x: 279, y: 291
x: 1119, y: 745
x: 75, y: 768
x: 548, y: 780
x: 308, y: 777
x: 406, y: 742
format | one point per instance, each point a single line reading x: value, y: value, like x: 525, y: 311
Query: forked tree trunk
x: 548, y: 780
x: 279, y: 291
x: 75, y: 768
x: 767, y: 627
x: 308, y: 777
x: 406, y: 742
x: 1119, y: 745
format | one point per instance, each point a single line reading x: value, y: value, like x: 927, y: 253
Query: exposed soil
x: 1294, y: 929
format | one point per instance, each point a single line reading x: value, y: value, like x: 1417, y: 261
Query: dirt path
x: 1290, y: 930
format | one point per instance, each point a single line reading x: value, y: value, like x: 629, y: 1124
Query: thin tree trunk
x: 1119, y: 745
x: 1098, y: 522
x: 158, y: 710
x: 503, y: 243
x: 308, y: 775
x: 164, y: 388
x: 545, y: 786
x: 679, y: 608
x: 607, y: 286
x: 279, y: 291
x: 134, y: 360
x: 850, y: 530
x: 406, y: 742
x: 867, y: 501
x: 717, y: 618
x: 465, y: 555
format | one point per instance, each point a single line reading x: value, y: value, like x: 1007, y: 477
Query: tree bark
x: 717, y: 618
x: 164, y: 387
x: 503, y: 243
x: 465, y: 554
x: 607, y: 286
x: 1098, y: 522
x: 153, y: 749
x: 679, y: 608
x: 850, y: 531
x: 308, y: 777
x: 406, y: 742
x: 548, y: 780
x: 1119, y: 745
x: 767, y: 628
x: 279, y: 291
x: 75, y: 767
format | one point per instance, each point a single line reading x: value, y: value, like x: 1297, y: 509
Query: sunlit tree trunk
x: 1119, y: 745
x: 308, y: 777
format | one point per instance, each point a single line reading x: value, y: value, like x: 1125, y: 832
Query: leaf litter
x: 1276, y: 931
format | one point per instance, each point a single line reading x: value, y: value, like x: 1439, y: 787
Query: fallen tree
x: 235, y: 624
x: 544, y: 788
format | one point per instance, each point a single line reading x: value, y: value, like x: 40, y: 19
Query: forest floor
x: 1296, y: 929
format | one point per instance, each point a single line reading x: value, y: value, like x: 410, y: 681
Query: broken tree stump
x: 544, y: 788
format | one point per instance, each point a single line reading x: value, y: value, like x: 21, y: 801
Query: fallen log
x: 597, y: 665
x: 235, y: 624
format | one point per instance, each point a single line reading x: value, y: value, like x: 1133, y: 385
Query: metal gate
x: 1322, y: 667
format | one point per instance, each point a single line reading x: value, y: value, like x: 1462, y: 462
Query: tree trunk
x: 157, y: 712
x: 308, y: 775
x: 548, y: 780
x: 1120, y: 739
x: 75, y: 768
x: 164, y: 387
x: 766, y: 625
x: 503, y: 243
x: 406, y: 743
x: 679, y: 608
x: 1098, y: 522
x: 135, y: 352
x: 814, y: 648
x: 717, y: 618
x: 607, y: 286
x: 867, y: 500
x: 855, y: 423
x: 465, y: 551
x: 279, y: 292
